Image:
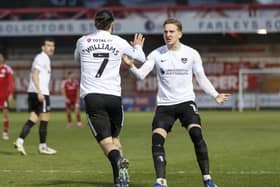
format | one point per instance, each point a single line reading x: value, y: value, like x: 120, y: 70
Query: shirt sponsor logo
x: 174, y: 71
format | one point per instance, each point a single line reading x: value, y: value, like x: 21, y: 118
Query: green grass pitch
x: 244, y: 150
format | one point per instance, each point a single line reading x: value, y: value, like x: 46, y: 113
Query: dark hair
x: 175, y: 22
x: 46, y: 39
x: 103, y: 19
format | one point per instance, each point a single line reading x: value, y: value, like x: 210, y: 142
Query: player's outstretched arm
x: 140, y: 73
x: 128, y: 61
x: 222, y: 97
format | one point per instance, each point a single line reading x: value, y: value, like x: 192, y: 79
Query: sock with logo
x: 159, y: 155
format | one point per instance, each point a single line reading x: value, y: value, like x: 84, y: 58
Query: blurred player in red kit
x: 71, y: 92
x: 6, y: 92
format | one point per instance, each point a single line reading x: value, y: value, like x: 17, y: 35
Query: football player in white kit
x: 39, y: 98
x: 175, y: 65
x: 100, y: 55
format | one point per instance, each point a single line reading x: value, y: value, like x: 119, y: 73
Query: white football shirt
x: 41, y: 62
x: 100, y: 55
x: 175, y: 71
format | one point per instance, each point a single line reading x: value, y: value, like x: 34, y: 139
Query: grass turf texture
x: 243, y: 147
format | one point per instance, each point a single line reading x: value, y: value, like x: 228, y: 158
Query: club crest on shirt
x: 184, y: 60
x: 89, y: 40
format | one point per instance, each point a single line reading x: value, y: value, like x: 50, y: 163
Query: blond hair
x: 173, y: 21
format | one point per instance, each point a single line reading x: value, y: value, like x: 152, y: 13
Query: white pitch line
x: 252, y: 172
x: 6, y: 171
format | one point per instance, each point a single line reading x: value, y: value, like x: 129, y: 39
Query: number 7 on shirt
x: 103, y: 64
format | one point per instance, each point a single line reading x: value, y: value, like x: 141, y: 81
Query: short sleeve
x: 77, y: 50
x: 38, y: 63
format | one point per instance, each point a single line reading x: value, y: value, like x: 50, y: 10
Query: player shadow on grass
x: 7, y: 153
x: 74, y: 183
x: 80, y: 183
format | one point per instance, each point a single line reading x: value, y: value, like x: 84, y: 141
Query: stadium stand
x: 225, y: 34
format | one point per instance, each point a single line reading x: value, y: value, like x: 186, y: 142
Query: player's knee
x: 6, y: 113
x: 160, y: 131
x: 5, y: 119
x: 196, y: 135
x: 33, y: 117
x: 45, y: 116
x: 106, y: 141
x: 107, y: 145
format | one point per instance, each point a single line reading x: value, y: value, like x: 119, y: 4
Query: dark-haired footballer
x: 39, y: 98
x: 100, y: 55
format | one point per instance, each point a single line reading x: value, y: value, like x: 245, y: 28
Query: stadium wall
x: 225, y: 36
